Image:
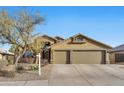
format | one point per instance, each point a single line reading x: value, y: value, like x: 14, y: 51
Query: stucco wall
x: 0, y: 57
x: 84, y: 46
x: 107, y: 58
x: 112, y: 58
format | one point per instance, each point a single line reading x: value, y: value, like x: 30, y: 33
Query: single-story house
x: 6, y: 55
x: 79, y: 49
x: 117, y: 54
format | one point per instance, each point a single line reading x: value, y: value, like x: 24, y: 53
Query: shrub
x: 20, y: 69
x: 34, y: 68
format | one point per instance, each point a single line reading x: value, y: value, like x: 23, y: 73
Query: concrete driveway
x: 78, y: 75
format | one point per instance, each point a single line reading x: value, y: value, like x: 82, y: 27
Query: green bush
x: 10, y: 62
x: 20, y: 69
x: 34, y: 68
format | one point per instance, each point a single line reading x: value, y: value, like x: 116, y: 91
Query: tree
x: 12, y: 48
x: 18, y: 30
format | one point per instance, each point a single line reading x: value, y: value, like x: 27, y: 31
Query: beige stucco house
x: 79, y: 49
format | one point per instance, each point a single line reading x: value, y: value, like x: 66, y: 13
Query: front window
x: 79, y: 39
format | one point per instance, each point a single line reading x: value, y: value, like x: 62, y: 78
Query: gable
x: 84, y: 44
x: 37, y: 44
x: 45, y: 39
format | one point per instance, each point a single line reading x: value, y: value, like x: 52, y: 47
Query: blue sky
x: 105, y: 24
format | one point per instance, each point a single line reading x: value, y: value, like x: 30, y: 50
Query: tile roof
x: 118, y: 48
x: 59, y: 38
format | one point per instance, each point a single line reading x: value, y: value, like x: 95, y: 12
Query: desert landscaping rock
x: 30, y: 75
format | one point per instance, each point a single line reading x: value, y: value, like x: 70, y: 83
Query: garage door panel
x: 59, y: 57
x: 86, y: 57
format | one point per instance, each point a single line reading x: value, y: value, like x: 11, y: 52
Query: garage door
x: 61, y: 57
x: 87, y: 57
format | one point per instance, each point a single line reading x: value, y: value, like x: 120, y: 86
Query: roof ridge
x: 85, y: 37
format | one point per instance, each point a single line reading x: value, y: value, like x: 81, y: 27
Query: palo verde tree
x: 18, y: 30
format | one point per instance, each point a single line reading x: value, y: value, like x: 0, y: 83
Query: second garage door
x: 87, y: 57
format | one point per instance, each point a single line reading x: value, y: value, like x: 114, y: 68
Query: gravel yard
x: 30, y: 75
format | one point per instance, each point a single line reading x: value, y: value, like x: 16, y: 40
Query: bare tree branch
x: 17, y: 30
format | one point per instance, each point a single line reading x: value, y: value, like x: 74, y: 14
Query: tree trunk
x: 18, y: 56
x: 35, y: 57
x: 17, y: 60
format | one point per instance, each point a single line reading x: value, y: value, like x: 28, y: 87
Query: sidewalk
x: 24, y: 83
